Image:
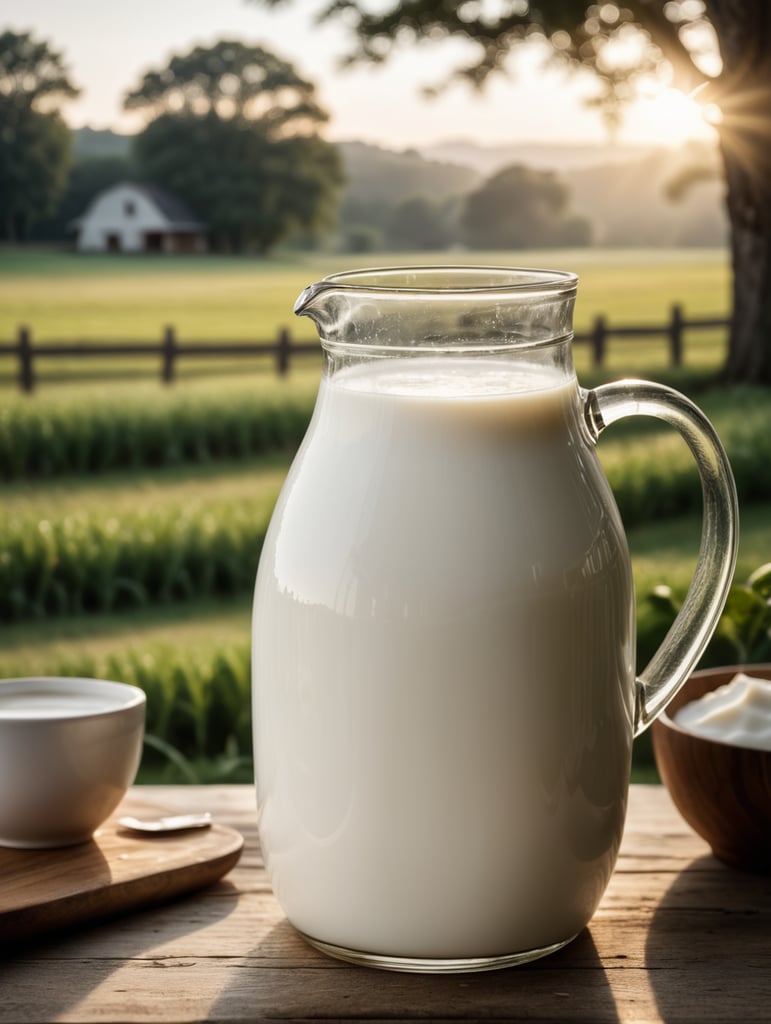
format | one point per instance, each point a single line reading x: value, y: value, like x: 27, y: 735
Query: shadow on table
x: 105, y: 944
x: 708, y: 945
x: 570, y: 985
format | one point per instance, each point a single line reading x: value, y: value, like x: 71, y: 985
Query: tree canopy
x: 620, y: 42
x: 231, y: 80
x: 88, y: 176
x: 30, y: 71
x: 420, y: 223
x: 234, y: 132
x: 520, y: 208
x: 34, y: 140
x: 719, y: 47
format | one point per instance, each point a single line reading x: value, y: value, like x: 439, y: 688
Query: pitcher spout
x: 453, y: 309
x: 306, y: 302
x: 319, y: 303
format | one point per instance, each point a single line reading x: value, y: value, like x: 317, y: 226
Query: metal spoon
x: 173, y: 823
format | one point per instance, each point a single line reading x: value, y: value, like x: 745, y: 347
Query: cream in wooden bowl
x: 69, y: 750
x: 713, y: 752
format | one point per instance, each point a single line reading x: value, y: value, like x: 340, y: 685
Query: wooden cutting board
x: 43, y: 890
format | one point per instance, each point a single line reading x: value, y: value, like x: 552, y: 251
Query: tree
x: 232, y: 80
x: 718, y: 46
x: 34, y: 140
x: 86, y: 179
x: 234, y: 132
x: 520, y: 208
x: 252, y: 190
x: 30, y: 71
x: 419, y: 223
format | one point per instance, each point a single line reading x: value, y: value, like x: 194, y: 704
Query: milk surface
x: 443, y: 661
x: 738, y: 713
x: 41, y: 703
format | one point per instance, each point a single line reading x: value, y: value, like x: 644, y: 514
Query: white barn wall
x: 107, y: 216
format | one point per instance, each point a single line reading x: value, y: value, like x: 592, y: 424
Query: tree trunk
x: 749, y: 211
x: 743, y: 28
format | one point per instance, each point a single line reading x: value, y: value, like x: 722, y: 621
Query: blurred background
x: 173, y: 175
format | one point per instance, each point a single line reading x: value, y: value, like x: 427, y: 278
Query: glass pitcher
x: 444, y: 687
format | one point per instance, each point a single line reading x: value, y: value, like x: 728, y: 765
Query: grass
x: 174, y: 553
x: 662, y: 552
x: 193, y: 655
x: 154, y: 535
x: 64, y: 392
x: 211, y: 637
x: 253, y: 481
x: 209, y: 642
x: 665, y: 552
x: 203, y: 626
x: 649, y: 466
x: 80, y: 435
x: 654, y: 474
x: 67, y: 296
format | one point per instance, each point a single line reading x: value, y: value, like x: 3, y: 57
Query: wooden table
x: 678, y: 937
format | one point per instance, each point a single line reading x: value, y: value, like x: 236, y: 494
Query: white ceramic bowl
x: 69, y: 750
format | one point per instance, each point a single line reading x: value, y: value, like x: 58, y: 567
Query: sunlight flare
x: 670, y: 117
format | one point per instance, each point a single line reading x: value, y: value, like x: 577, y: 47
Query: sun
x: 668, y: 117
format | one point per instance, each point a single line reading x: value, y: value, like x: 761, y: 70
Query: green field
x: 68, y: 296
x: 192, y: 647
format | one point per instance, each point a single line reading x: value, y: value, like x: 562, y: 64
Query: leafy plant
x: 743, y: 634
x: 229, y: 766
x: 89, y: 562
x: 43, y: 440
x: 198, y: 726
x: 658, y: 479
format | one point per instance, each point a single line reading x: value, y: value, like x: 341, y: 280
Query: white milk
x: 738, y: 713
x: 443, y: 663
x: 43, y: 703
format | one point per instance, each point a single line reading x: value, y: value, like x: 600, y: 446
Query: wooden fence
x: 284, y: 350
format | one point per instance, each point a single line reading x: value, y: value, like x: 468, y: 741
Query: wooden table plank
x: 678, y: 937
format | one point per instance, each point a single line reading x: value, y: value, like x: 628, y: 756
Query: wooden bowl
x: 722, y: 791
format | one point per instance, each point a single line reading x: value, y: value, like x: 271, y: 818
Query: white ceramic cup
x: 69, y: 750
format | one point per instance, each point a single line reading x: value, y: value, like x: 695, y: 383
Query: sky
x: 109, y: 46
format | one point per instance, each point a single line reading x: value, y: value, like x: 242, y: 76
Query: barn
x: 130, y: 217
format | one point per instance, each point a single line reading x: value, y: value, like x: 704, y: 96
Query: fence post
x: 676, y: 335
x: 26, y: 369
x: 169, y: 354
x: 599, y: 339
x: 283, y: 352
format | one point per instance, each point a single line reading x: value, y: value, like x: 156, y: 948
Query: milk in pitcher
x: 443, y: 662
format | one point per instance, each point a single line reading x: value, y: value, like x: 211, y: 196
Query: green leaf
x: 176, y: 757
x: 760, y: 581
x: 748, y: 616
x: 663, y: 600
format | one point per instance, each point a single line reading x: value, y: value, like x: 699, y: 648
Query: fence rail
x: 284, y: 350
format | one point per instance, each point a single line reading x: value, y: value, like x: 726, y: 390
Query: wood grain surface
x: 678, y: 937
x: 44, y: 890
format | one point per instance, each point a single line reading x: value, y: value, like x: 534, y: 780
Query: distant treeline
x: 406, y: 201
x: 234, y: 132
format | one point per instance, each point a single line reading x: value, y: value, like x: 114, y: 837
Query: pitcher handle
x: 691, y: 631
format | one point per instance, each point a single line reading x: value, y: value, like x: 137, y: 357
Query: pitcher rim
x: 536, y: 274
x: 518, y: 280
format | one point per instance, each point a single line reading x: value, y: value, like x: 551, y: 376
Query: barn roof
x: 175, y: 211
x: 178, y: 214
